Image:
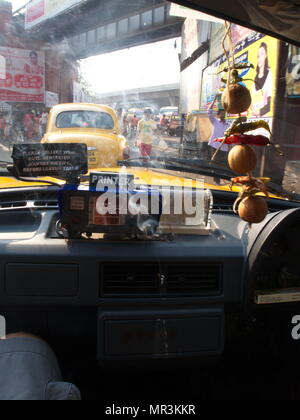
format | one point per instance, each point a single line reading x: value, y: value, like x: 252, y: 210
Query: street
x: 163, y: 145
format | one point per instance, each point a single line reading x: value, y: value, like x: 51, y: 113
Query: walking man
x: 145, y: 131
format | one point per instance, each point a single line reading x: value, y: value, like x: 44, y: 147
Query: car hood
x: 107, y: 147
x: 146, y: 177
x: 80, y: 137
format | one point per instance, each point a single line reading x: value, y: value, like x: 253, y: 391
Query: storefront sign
x: 241, y: 38
x: 37, y: 11
x: 4, y: 107
x: 51, y: 99
x: 79, y: 95
x: 24, y: 79
x: 293, y: 73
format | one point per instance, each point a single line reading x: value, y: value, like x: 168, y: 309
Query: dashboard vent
x: 223, y: 207
x: 28, y: 205
x: 129, y: 279
x: 146, y: 280
x: 13, y: 205
x: 194, y: 279
x: 46, y: 204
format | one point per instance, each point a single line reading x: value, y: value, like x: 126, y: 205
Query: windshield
x: 84, y: 119
x: 165, y: 72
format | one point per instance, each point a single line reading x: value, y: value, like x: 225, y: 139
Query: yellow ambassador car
x: 95, y: 125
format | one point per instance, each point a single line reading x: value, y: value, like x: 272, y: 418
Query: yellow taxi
x: 95, y: 125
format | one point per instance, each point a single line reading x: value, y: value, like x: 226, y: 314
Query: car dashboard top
x: 228, y: 265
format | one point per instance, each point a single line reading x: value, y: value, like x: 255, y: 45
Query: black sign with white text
x: 63, y: 160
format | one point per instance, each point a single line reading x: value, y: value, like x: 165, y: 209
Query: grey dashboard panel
x: 19, y: 226
x: 161, y: 333
x: 23, y: 279
x: 75, y: 265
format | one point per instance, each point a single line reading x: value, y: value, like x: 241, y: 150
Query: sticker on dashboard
x: 277, y: 296
x: 103, y: 180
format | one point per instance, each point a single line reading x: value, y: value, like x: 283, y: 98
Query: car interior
x: 143, y: 306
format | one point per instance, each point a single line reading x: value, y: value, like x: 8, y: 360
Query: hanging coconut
x: 253, y: 209
x: 236, y: 99
x: 242, y: 159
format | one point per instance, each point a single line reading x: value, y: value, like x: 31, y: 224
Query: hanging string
x: 229, y: 54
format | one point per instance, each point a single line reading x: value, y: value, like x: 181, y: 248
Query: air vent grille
x: 123, y: 280
x: 28, y: 204
x: 13, y: 204
x: 194, y: 278
x: 223, y: 207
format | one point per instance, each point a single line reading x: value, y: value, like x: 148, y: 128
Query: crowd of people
x: 142, y: 130
x: 139, y: 131
x: 20, y: 126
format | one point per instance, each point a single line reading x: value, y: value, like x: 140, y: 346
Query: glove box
x: 153, y: 334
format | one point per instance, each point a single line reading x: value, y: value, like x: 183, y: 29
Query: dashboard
x: 160, y: 300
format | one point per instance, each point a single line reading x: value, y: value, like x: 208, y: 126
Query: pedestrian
x: 145, y: 132
x: 36, y: 124
x: 122, y: 121
x: 133, y: 126
x: 43, y: 122
x: 220, y: 125
x: 28, y: 125
x: 7, y: 128
x: 164, y: 122
x: 134, y: 122
x: 2, y: 126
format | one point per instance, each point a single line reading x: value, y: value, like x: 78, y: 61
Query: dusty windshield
x: 164, y: 73
x: 85, y: 119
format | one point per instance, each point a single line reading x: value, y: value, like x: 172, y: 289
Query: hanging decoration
x: 251, y: 204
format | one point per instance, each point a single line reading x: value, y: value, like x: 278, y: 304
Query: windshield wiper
x: 12, y: 171
x: 194, y: 166
x: 202, y: 167
x: 279, y: 190
x: 4, y: 164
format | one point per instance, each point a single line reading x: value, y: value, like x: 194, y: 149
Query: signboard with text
x: 63, y: 160
x: 37, y: 11
x: 51, y: 99
x: 24, y: 79
x: 262, y: 51
x: 293, y: 73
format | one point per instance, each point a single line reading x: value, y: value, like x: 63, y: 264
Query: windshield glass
x: 84, y: 119
x: 165, y: 72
